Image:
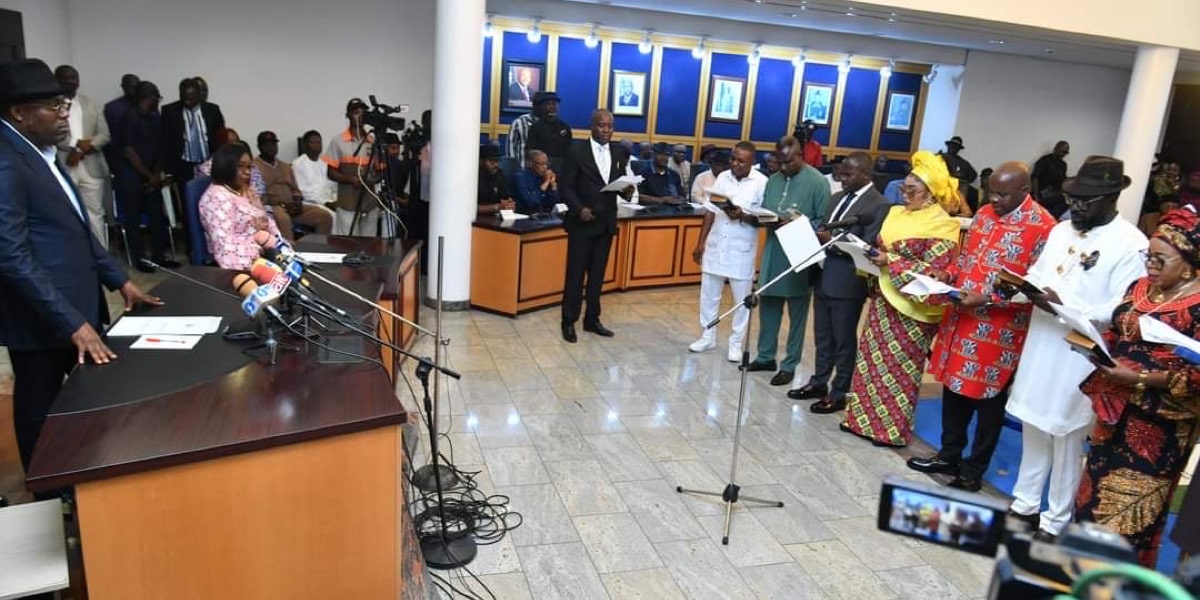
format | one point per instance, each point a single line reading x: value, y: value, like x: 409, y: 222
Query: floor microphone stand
x: 732, y: 492
x: 427, y: 476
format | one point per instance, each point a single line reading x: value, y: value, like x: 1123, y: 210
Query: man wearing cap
x: 493, y: 188
x: 189, y: 129
x: 518, y: 132
x: 80, y: 151
x: 51, y: 266
x: 1048, y: 174
x: 958, y: 166
x: 679, y: 163
x: 805, y: 134
x: 283, y: 194
x: 549, y: 133
x: 1087, y: 264
x: 139, y: 176
x: 348, y: 158
x: 660, y: 185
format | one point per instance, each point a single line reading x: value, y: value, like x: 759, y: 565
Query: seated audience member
x: 493, y: 189
x: 645, y: 151
x: 718, y: 161
x: 230, y: 136
x: 1162, y: 195
x: 537, y: 185
x: 985, y: 190
x: 882, y: 174
x: 283, y: 194
x: 679, y: 163
x: 230, y: 210
x: 311, y: 174
x: 660, y: 185
x: 771, y: 164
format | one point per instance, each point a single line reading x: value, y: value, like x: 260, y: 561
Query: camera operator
x: 811, y: 147
x: 349, y: 155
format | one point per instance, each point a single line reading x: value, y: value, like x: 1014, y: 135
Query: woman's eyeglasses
x: 1157, y: 261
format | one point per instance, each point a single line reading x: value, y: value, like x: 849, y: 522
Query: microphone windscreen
x: 263, y: 272
x: 244, y: 285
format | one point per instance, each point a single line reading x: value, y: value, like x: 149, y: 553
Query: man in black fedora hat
x: 1087, y: 264
x: 51, y: 265
x: 958, y: 166
x: 549, y: 133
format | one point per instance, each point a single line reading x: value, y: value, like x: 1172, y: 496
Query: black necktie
x: 843, y: 206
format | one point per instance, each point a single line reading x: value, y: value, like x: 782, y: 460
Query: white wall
x: 941, y: 107
x: 46, y: 29
x: 284, y: 65
x: 1016, y: 108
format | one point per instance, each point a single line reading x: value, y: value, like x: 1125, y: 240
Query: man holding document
x: 1087, y: 264
x: 981, y: 336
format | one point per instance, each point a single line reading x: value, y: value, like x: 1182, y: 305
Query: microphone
x: 257, y: 299
x: 863, y: 219
x: 145, y: 262
x: 275, y: 248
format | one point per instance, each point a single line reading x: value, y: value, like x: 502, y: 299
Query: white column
x: 457, y: 87
x: 1142, y: 120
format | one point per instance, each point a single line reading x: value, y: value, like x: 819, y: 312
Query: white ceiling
x: 929, y: 28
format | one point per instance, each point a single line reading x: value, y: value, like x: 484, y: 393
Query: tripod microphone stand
x: 732, y: 492
x: 433, y: 476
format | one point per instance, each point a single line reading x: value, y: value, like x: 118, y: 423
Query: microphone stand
x: 731, y: 494
x: 430, y: 476
x: 270, y: 342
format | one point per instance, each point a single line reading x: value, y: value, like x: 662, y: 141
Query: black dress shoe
x: 168, y: 263
x: 598, y: 329
x: 1042, y: 535
x: 932, y: 464
x: 808, y: 391
x: 783, y: 378
x: 568, y: 332
x: 761, y: 366
x: 1030, y: 520
x: 144, y: 267
x: 962, y: 483
x: 828, y: 405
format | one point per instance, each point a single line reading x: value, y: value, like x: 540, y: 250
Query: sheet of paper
x: 511, y: 215
x: 858, y: 253
x: 1156, y: 331
x: 800, y: 243
x: 630, y: 205
x: 923, y: 285
x: 134, y: 326
x: 619, y: 184
x: 166, y: 342
x: 323, y: 258
x: 1075, y: 319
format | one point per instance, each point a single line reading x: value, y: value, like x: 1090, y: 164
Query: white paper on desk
x: 630, y: 205
x: 131, y: 326
x: 800, y: 243
x: 619, y: 184
x: 511, y: 215
x: 322, y: 258
x: 166, y: 342
x: 923, y: 285
x: 1075, y: 319
x: 1158, y: 332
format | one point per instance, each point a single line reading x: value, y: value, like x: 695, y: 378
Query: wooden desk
x: 248, y: 482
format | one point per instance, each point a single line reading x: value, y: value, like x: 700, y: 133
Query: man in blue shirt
x: 536, y: 185
x: 660, y: 185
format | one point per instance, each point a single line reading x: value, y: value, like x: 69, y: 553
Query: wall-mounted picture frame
x: 725, y: 96
x: 628, y: 90
x: 521, y: 81
x: 901, y: 107
x: 817, y: 103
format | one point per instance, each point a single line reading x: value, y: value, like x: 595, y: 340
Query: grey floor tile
x: 584, y: 488
x: 509, y: 586
x: 749, y: 542
x: 621, y: 457
x: 518, y: 465
x: 838, y: 572
x: 494, y: 426
x: 718, y: 455
x: 660, y: 511
x: 561, y: 571
x: 495, y: 558
x: 850, y: 475
x: 655, y: 584
x: 701, y: 571
x: 791, y: 524
x: 969, y: 573
x: 919, y: 583
x: 557, y: 438
x: 616, y: 543
x: 695, y: 475
x: 538, y: 402
x: 544, y: 517
x: 780, y: 582
x: 877, y: 549
x: 817, y: 493
x: 664, y: 445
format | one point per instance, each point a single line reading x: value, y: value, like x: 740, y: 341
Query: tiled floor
x: 589, y: 441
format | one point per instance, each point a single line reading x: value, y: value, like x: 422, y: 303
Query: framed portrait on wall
x: 817, y: 103
x: 628, y: 94
x: 521, y: 81
x: 725, y: 99
x: 900, y: 109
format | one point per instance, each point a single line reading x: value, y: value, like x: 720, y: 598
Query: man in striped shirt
x: 348, y: 154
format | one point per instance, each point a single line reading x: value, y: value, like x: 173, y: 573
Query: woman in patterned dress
x: 916, y: 237
x: 230, y: 210
x: 1148, y: 406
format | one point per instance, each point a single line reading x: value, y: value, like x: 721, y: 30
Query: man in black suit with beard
x: 591, y: 220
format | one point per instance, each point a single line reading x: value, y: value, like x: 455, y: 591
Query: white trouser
x: 368, y: 223
x: 711, y: 287
x: 92, y: 192
x: 1057, y: 457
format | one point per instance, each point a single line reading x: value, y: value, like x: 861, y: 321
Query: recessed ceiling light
x: 645, y: 46
x: 892, y: 18
x: 535, y: 34
x: 1048, y: 50
x: 850, y: 11
x: 592, y: 40
x: 997, y: 42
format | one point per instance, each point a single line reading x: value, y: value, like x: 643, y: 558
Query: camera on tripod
x: 380, y: 118
x: 1024, y: 569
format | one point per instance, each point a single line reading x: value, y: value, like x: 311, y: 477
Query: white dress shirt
x: 50, y: 155
x: 602, y: 154
x: 313, y: 179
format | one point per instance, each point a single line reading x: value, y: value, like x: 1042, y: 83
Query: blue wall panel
x: 485, y: 108
x: 896, y: 140
x: 578, y: 81
x: 729, y: 65
x: 678, y: 91
x: 858, y: 108
x: 518, y: 48
x: 772, y: 99
x: 625, y: 57
x: 824, y: 74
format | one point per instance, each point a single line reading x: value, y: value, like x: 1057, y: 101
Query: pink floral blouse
x: 230, y: 221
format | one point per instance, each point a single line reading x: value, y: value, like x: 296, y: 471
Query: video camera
x: 1087, y: 560
x: 380, y: 119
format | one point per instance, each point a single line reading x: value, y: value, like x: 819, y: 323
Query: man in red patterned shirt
x: 980, y: 339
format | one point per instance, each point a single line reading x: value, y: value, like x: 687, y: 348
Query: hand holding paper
x: 621, y: 183
x: 923, y: 285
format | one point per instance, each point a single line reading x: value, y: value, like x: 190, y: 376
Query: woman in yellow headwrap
x: 915, y: 237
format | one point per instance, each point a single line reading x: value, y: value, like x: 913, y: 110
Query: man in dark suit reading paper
x: 591, y: 220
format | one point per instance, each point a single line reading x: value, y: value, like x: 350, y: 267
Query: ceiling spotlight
x: 931, y: 75
x: 850, y: 11
x: 886, y: 72
x: 488, y: 30
x: 803, y: 4
x: 698, y: 51
x: 1048, y: 50
x: 997, y: 42
x: 844, y: 67
x: 644, y: 46
x: 592, y: 40
x: 892, y: 18
x: 799, y: 60
x: 535, y: 35
x: 755, y: 55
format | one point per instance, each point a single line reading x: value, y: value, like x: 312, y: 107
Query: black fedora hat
x: 489, y: 151
x: 1098, y: 176
x: 28, y: 79
x: 957, y: 141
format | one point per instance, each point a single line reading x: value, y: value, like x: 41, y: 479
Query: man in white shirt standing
x: 727, y: 245
x: 717, y: 163
x: 1087, y: 264
x: 311, y: 173
x: 80, y: 151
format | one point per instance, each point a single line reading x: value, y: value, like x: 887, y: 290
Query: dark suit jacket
x: 838, y: 278
x: 173, y: 128
x: 515, y: 95
x: 51, y: 266
x: 579, y: 184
